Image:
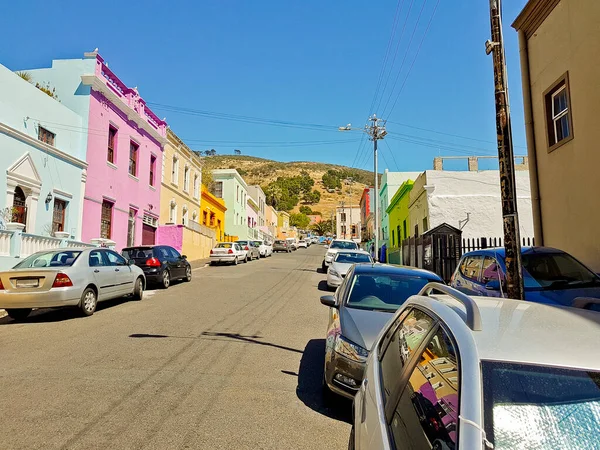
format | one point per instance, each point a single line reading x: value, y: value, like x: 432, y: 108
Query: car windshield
x: 279, y: 242
x: 528, y: 406
x: 225, y: 245
x: 383, y: 291
x: 258, y: 243
x: 242, y: 242
x: 556, y: 271
x: 64, y: 258
x: 352, y: 258
x: 344, y: 245
x: 137, y: 253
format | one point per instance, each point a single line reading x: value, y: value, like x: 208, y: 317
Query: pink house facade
x: 125, y: 141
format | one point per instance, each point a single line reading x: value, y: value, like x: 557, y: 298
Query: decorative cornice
x: 96, y: 84
x: 533, y: 15
x: 41, y: 145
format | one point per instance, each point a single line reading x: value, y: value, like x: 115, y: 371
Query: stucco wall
x: 569, y: 40
x: 235, y: 217
x: 170, y: 235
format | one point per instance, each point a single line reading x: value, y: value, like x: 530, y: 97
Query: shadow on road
x: 310, y: 379
x: 323, y: 286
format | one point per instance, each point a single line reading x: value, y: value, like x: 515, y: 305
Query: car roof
x: 499, y: 251
x: 388, y: 269
x: 343, y: 240
x: 534, y: 333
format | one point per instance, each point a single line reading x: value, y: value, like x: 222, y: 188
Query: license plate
x: 28, y: 283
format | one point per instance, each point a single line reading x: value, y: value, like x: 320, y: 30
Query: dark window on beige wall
x: 559, y: 122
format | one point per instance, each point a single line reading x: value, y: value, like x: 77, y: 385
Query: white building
x: 468, y: 200
x: 348, y: 223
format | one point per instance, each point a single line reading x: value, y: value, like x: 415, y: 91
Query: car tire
x: 138, y: 290
x: 323, y: 267
x: 166, y: 280
x: 351, y: 444
x: 18, y: 314
x: 235, y: 261
x: 88, y: 302
x: 188, y: 274
x: 245, y: 259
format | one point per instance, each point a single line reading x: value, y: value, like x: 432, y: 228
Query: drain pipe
x: 538, y: 231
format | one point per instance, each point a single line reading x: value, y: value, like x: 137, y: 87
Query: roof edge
x: 533, y: 15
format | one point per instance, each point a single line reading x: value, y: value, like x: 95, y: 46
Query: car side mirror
x: 183, y: 257
x: 493, y: 285
x: 131, y: 262
x: 328, y: 300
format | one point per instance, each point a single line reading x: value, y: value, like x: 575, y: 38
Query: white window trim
x: 186, y: 178
x: 560, y: 115
x: 196, y: 186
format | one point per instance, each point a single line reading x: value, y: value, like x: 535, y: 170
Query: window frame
x: 111, y: 147
x: 186, y: 178
x: 562, y: 83
x: 152, y: 174
x: 110, y: 220
x: 175, y: 170
x: 196, y: 186
x: 63, y: 214
x: 46, y: 136
x: 134, y: 149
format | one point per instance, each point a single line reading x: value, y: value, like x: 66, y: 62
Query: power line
x: 393, y: 157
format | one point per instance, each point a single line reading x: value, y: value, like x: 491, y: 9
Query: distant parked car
x: 281, y: 246
x: 161, y: 263
x: 264, y: 248
x: 459, y: 372
x: 342, y: 262
x: 550, y: 276
x: 292, y: 243
x: 251, y: 249
x: 79, y: 277
x: 302, y: 244
x: 358, y: 311
x: 228, y: 252
x: 337, y: 245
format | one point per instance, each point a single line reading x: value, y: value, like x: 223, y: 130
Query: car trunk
x: 139, y: 255
x: 28, y: 280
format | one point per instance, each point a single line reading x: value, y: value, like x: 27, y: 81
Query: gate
x: 148, y: 234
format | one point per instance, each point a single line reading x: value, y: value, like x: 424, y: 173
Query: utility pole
x: 512, y: 239
x: 350, y: 203
x: 376, y: 132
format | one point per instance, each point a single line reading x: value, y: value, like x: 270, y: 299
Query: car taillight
x: 1, y: 286
x: 246, y: 248
x: 230, y: 251
x: 62, y: 280
x: 211, y: 252
x: 153, y: 262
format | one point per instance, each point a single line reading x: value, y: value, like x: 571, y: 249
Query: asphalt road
x: 232, y: 360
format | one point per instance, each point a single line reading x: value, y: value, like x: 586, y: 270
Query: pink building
x: 124, y: 145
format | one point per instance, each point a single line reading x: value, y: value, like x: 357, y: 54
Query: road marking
x: 202, y: 267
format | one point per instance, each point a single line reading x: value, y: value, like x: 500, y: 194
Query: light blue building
x: 231, y: 187
x: 42, y: 169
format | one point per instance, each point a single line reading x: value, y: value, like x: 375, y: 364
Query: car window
x: 399, y: 345
x: 352, y: 258
x: 427, y: 411
x: 490, y: 270
x: 114, y: 258
x: 63, y: 258
x: 224, y: 245
x: 470, y: 267
x: 96, y: 259
x: 137, y: 253
x: 162, y: 253
x: 530, y: 406
x: 556, y: 271
x: 174, y: 253
x: 344, y: 245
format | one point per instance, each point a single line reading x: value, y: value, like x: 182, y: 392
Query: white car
x: 265, y: 249
x: 292, y: 243
x: 342, y: 262
x: 459, y: 372
x: 336, y: 246
x: 228, y: 252
x: 302, y: 243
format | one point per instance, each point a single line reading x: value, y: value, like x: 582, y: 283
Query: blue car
x: 551, y: 276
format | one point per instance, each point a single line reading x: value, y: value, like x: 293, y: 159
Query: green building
x: 399, y: 221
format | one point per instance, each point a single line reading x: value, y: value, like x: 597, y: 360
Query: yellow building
x: 271, y: 220
x: 213, y: 213
x: 283, y: 225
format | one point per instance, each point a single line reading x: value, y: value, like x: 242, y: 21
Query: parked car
x: 228, y: 252
x: 337, y: 245
x: 264, y: 248
x: 161, y: 263
x: 292, y: 243
x: 251, y: 250
x: 302, y: 243
x: 360, y: 308
x: 281, y: 245
x: 79, y: 277
x: 461, y: 372
x: 550, y: 276
x: 342, y: 262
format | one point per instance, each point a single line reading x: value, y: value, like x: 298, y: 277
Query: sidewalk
x: 198, y: 263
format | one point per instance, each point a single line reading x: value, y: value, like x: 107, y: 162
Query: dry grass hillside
x: 263, y: 171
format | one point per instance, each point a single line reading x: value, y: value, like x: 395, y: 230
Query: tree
x: 207, y: 153
x: 305, y: 210
x: 299, y: 220
x: 312, y: 197
x: 324, y: 227
x: 237, y: 152
x: 331, y: 179
x: 213, y: 152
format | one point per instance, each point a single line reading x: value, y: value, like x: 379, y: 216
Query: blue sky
x: 303, y: 62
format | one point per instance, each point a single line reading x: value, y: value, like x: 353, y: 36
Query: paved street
x: 233, y: 359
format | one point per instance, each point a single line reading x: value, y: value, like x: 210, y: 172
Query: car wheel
x: 351, y: 445
x: 323, y: 267
x: 245, y: 259
x: 19, y: 313
x: 166, y: 279
x: 235, y: 261
x: 138, y: 290
x: 188, y: 274
x: 89, y: 301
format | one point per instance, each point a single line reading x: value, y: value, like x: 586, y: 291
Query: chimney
x: 438, y: 163
x: 473, y: 164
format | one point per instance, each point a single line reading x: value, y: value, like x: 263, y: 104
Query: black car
x: 160, y: 263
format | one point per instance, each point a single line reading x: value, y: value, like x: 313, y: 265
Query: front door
x: 103, y: 273
x: 148, y: 234
x: 122, y: 270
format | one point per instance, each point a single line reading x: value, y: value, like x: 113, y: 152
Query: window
x: 184, y: 216
x: 58, y: 215
x: 186, y: 179
x: 382, y: 292
x: 556, y: 271
x: 112, y: 141
x: 60, y: 258
x: 196, y: 186
x: 46, y: 136
x: 471, y: 267
x: 343, y: 217
x: 173, y: 213
x: 114, y: 258
x: 175, y: 170
x: 212, y: 219
x: 425, y: 225
x: 96, y: 259
x: 559, y: 123
x: 131, y: 227
x: 218, y: 189
x: 405, y: 229
x: 490, y: 270
x: 237, y: 193
x: 398, y: 236
x: 204, y: 217
x: 427, y: 409
x: 393, y: 242
x: 106, y: 220
x: 152, y: 169
x: 173, y: 253
x: 133, y: 158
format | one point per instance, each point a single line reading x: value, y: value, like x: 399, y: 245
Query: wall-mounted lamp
x: 48, y: 198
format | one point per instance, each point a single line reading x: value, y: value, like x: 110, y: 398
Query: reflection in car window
x: 352, y: 258
x: 399, y: 346
x: 225, y: 245
x: 427, y: 411
x: 490, y: 270
x: 528, y: 406
x: 96, y: 259
x: 556, y: 271
x: 115, y: 259
x: 64, y: 258
x: 138, y: 253
x: 344, y: 245
x: 386, y: 292
x: 471, y: 267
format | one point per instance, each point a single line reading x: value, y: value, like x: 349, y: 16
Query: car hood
x: 363, y: 326
x: 563, y: 297
x: 341, y: 268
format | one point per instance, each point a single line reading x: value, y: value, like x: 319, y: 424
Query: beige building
x: 559, y: 44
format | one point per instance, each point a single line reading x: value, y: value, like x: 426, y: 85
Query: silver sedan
x: 68, y: 277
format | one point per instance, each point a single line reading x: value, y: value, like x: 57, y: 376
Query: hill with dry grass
x: 264, y: 171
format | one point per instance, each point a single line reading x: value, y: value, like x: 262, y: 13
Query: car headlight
x: 333, y: 273
x: 350, y: 350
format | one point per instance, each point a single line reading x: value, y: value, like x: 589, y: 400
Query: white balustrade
x: 31, y: 243
x: 5, y: 237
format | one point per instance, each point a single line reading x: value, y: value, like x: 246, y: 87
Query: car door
x: 492, y: 278
x: 178, y: 262
x: 103, y: 274
x: 469, y: 275
x: 166, y: 259
x: 123, y: 274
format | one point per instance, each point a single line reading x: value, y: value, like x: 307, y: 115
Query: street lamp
x: 376, y: 131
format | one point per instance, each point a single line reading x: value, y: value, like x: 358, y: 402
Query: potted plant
x: 6, y: 217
